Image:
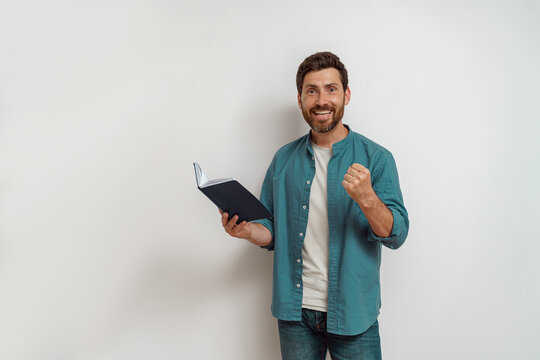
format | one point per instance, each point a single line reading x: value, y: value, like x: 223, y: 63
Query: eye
x: 333, y: 89
x: 310, y: 91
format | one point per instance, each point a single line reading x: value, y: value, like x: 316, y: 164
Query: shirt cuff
x: 392, y: 241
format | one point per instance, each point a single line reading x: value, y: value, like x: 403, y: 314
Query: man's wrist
x: 259, y: 234
x: 368, y: 201
x: 250, y: 231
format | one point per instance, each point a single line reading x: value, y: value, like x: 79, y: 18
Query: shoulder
x: 292, y: 147
x: 288, y: 153
x: 371, y: 148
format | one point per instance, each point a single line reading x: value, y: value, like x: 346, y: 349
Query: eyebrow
x: 325, y: 85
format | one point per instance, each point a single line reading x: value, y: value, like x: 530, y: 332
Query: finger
x: 224, y: 218
x: 358, y: 173
x: 230, y: 225
x: 358, y: 167
x: 220, y: 211
x: 353, y: 172
x: 348, y: 178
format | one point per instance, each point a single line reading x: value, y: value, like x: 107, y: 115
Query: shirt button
x: 297, y: 285
x: 304, y: 207
x: 308, y: 182
x: 301, y: 234
x: 298, y: 261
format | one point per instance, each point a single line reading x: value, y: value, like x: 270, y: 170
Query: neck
x: 327, y: 139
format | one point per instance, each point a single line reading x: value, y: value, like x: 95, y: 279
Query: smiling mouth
x: 322, y: 115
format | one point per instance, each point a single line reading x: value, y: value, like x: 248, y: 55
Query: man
x: 335, y: 199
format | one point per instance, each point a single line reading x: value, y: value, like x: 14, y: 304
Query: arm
x: 386, y: 187
x: 255, y: 233
x: 357, y: 183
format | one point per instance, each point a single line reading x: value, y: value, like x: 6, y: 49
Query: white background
x: 108, y: 250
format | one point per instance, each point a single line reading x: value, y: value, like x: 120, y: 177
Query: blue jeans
x: 309, y: 340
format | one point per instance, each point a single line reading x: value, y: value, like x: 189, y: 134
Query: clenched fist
x: 357, y: 183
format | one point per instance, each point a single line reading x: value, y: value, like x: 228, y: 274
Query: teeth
x: 322, y: 112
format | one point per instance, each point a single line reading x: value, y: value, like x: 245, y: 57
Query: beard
x: 337, y: 115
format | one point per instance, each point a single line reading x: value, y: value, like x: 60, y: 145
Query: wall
x: 107, y: 249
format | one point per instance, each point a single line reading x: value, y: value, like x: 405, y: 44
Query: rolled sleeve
x: 386, y: 186
x: 397, y: 237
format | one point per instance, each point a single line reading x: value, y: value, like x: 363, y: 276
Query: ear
x: 299, y: 102
x: 347, y: 96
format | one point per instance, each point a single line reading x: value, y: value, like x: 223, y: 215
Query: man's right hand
x: 255, y: 233
x: 241, y: 231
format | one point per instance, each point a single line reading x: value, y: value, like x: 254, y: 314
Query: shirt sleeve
x: 267, y: 199
x: 386, y: 186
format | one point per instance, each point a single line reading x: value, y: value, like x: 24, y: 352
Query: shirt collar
x: 337, y: 147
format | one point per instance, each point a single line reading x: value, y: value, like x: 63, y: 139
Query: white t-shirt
x: 315, y: 250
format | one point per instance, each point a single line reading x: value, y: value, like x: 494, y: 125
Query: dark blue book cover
x: 231, y: 197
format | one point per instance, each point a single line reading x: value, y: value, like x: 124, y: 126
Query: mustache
x: 322, y: 108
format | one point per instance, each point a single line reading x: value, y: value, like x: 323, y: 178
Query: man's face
x: 323, y: 99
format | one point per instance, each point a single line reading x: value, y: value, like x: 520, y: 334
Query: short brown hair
x: 321, y: 61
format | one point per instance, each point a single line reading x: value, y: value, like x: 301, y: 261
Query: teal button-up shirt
x: 354, y: 250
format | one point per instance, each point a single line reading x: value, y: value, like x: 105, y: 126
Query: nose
x: 322, y: 99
